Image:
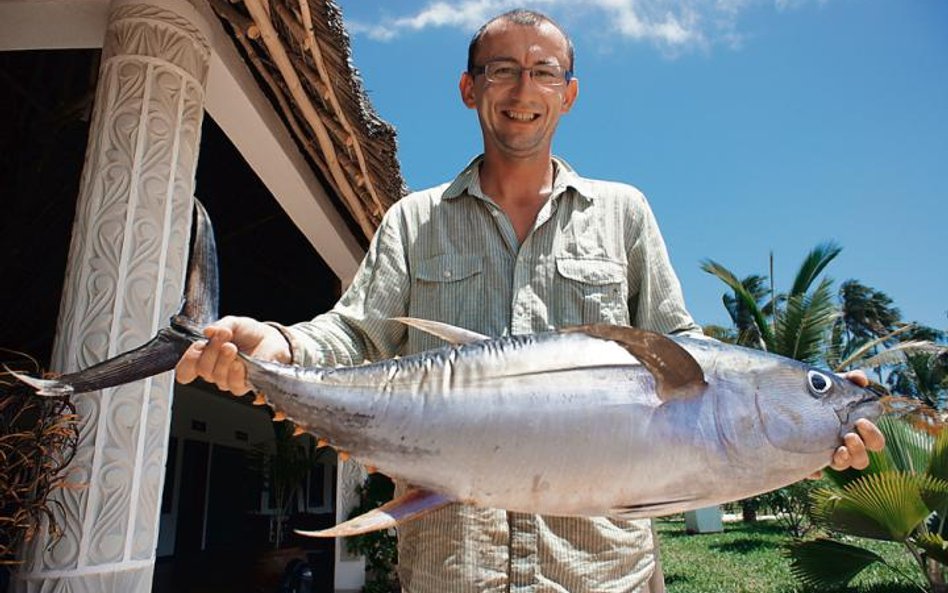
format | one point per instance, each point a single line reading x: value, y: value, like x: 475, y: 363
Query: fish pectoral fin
x: 411, y: 505
x: 449, y: 333
x: 652, y: 509
x: 677, y: 374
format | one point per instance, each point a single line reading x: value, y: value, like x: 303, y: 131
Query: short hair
x: 527, y: 18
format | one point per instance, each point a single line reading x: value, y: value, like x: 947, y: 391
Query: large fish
x: 593, y: 420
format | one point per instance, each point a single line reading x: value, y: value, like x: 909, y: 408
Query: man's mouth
x: 521, y: 116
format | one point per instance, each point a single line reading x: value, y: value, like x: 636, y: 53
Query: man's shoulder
x: 610, y: 191
x: 418, y: 202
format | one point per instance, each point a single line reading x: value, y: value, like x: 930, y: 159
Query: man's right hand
x: 215, y: 360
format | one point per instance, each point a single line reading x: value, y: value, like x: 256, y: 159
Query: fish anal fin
x: 677, y: 374
x: 449, y: 333
x: 653, y: 509
x: 408, y: 506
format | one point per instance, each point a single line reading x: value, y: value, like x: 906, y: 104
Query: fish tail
x: 162, y: 352
x: 47, y: 387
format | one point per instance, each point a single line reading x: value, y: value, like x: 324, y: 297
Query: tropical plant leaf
x: 813, y: 265
x: 934, y: 546
x: 898, y: 353
x: 866, y: 348
x: 806, y: 321
x: 938, y: 466
x: 824, y: 563
x: 909, y: 449
x: 887, y: 506
x: 728, y: 277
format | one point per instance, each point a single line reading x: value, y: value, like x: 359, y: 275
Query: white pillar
x: 123, y: 281
x: 349, y: 570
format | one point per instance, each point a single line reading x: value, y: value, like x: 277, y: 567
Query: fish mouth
x: 870, y: 408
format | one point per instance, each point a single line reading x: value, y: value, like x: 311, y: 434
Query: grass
x: 749, y: 558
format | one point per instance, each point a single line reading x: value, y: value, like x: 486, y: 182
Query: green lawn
x: 748, y: 558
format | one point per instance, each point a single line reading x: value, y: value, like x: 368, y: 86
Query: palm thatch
x: 300, y: 50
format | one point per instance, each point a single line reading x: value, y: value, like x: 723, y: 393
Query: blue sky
x: 751, y: 125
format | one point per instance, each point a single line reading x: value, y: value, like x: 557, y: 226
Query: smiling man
x: 517, y: 243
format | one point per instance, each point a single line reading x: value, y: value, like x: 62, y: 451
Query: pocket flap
x: 449, y: 268
x: 590, y: 271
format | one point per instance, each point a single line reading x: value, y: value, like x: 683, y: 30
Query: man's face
x: 518, y: 118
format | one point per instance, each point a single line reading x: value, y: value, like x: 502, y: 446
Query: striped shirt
x: 450, y: 254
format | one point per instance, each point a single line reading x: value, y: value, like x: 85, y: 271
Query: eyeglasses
x: 548, y: 75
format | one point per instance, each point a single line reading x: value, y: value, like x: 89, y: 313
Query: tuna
x: 595, y: 420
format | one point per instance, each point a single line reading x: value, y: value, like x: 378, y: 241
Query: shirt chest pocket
x: 445, y: 288
x: 591, y: 291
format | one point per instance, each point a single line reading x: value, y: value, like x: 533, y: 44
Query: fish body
x: 588, y: 421
x: 572, y: 424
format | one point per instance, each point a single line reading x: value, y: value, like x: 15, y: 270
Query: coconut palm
x: 800, y: 329
x: 902, y: 497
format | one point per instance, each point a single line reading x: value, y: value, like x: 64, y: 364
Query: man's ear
x: 569, y: 97
x: 466, y: 86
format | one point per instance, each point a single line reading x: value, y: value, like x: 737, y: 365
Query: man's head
x: 520, y: 82
x: 526, y: 18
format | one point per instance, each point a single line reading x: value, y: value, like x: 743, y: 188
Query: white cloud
x: 672, y: 25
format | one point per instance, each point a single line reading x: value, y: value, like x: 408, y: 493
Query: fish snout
x: 870, y: 408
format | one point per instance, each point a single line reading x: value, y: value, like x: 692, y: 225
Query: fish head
x: 804, y: 409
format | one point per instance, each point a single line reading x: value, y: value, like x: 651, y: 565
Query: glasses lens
x: 548, y: 75
x: 502, y: 71
x: 507, y: 72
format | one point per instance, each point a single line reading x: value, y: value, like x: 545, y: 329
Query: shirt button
x: 447, y: 273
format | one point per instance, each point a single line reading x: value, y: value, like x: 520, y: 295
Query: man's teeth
x: 520, y: 115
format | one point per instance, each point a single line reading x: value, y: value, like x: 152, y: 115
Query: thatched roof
x: 300, y: 50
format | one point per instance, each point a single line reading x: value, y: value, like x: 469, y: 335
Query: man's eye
x: 506, y: 71
x: 546, y: 74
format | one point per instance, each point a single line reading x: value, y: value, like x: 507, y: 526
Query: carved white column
x: 349, y: 570
x: 124, y: 279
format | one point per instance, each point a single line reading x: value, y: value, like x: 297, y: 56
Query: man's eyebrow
x: 551, y: 61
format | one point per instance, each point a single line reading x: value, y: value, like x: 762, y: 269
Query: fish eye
x: 818, y: 382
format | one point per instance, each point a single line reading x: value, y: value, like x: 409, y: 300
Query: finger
x: 857, y: 377
x: 858, y: 458
x: 237, y: 378
x: 186, y: 369
x: 871, y: 435
x: 225, y: 357
x: 815, y: 475
x: 840, y: 459
x: 208, y: 359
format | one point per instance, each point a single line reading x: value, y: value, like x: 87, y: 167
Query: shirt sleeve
x: 360, y: 326
x: 656, y: 302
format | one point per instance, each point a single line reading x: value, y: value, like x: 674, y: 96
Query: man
x: 517, y: 243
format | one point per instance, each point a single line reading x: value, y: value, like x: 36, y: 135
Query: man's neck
x: 517, y: 183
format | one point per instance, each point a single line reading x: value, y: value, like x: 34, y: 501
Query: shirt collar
x: 469, y: 181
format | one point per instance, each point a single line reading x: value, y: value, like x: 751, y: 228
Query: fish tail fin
x: 199, y: 307
x: 411, y: 505
x: 47, y: 387
x: 163, y: 351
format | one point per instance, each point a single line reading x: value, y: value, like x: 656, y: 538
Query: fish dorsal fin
x: 677, y: 374
x: 449, y: 333
x: 411, y: 505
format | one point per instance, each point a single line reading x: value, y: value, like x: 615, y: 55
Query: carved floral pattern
x: 124, y: 280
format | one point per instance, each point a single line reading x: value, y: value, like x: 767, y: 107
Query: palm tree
x: 866, y: 312
x: 800, y: 330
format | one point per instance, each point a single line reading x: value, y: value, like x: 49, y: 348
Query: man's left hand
x: 853, y: 453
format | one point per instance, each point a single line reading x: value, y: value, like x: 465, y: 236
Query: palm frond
x: 867, y: 347
x: 938, y: 466
x: 898, y: 353
x: 802, y: 329
x: 934, y: 546
x: 813, y: 265
x: 728, y: 277
x: 887, y: 506
x: 824, y: 563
